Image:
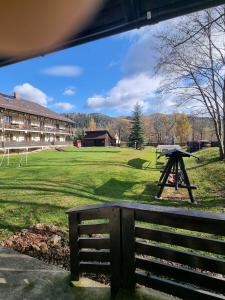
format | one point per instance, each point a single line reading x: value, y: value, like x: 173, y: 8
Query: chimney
x: 17, y: 95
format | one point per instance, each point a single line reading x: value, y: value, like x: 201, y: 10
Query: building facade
x: 26, y: 124
x: 98, y: 138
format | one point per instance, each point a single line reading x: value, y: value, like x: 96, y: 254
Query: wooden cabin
x: 97, y: 138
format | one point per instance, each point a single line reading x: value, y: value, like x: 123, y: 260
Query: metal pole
x: 8, y: 158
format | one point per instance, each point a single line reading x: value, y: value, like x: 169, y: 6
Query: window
x: 7, y: 119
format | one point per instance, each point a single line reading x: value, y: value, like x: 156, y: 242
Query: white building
x: 25, y: 124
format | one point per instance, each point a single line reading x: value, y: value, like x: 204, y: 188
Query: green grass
x: 54, y: 181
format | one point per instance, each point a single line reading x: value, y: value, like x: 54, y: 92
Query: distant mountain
x: 82, y: 120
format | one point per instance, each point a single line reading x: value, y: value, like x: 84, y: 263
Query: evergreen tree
x: 137, y: 135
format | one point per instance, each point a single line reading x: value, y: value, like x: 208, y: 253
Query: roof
x: 176, y: 152
x: 25, y: 106
x: 96, y: 135
x: 118, y: 16
x: 168, y: 147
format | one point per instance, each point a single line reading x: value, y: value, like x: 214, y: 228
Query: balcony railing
x: 137, y: 243
x: 35, y: 128
x: 38, y: 144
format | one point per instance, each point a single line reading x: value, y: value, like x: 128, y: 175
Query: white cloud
x: 69, y: 91
x: 139, y: 82
x: 65, y: 106
x: 29, y: 92
x: 64, y: 70
x: 139, y: 88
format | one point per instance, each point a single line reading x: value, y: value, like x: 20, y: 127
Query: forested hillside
x: 159, y: 128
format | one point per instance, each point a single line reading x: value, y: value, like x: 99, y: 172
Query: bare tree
x: 192, y: 61
x: 162, y: 125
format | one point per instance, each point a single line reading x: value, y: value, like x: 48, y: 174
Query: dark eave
x: 122, y: 15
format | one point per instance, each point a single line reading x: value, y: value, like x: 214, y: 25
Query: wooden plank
x: 128, y: 248
x: 99, y: 228
x: 169, y: 216
x: 176, y: 289
x: 88, y: 255
x: 185, y: 221
x: 87, y: 208
x: 183, y: 257
x: 115, y: 250
x: 180, y: 186
x: 94, y: 243
x: 95, y: 214
x: 95, y: 268
x: 74, y: 247
x: 193, y: 242
x: 182, y: 274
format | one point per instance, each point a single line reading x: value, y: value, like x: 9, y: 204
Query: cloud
x: 65, y: 106
x: 139, y: 82
x: 29, y: 92
x: 64, y: 70
x: 128, y: 91
x: 69, y: 91
x: 114, y: 63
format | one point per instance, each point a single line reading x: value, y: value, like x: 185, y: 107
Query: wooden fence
x: 137, y: 243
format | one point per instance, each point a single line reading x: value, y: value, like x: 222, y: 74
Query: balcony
x: 39, y: 144
x: 22, y: 127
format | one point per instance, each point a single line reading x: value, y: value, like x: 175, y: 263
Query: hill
x: 82, y: 120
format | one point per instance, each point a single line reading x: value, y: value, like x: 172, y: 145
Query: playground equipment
x: 6, y: 157
x: 174, y: 173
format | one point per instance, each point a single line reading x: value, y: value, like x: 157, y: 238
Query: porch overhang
x: 118, y: 16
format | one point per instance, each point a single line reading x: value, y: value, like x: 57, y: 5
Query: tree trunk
x: 222, y: 151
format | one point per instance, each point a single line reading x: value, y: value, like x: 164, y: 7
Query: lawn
x: 54, y: 181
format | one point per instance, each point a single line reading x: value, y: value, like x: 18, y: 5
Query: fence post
x: 74, y: 247
x: 128, y: 248
x: 115, y: 250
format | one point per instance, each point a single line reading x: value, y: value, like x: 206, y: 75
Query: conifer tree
x: 137, y: 135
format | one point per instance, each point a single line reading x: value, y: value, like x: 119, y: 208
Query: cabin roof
x: 97, y: 135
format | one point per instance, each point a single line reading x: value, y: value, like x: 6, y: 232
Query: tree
x: 182, y: 127
x: 162, y: 125
x: 92, y: 125
x: 137, y: 135
x: 202, y: 128
x: 192, y: 62
x: 121, y: 126
x: 79, y: 134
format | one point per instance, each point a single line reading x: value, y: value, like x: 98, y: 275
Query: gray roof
x: 25, y: 106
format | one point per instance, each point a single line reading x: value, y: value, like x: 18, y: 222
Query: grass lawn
x: 54, y: 181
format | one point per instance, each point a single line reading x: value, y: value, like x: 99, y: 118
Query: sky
x: 108, y: 76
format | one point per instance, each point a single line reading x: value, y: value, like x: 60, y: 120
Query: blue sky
x: 108, y: 76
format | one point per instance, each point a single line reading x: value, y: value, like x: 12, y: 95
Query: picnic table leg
x: 165, y: 177
x: 186, y: 180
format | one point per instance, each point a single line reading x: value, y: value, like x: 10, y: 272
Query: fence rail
x: 177, y: 251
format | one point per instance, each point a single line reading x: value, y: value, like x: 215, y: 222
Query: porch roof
x: 118, y: 16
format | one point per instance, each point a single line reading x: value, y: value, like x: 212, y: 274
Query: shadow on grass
x: 118, y: 190
x: 204, y: 162
x: 210, y: 202
x: 137, y: 163
x: 74, y: 163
